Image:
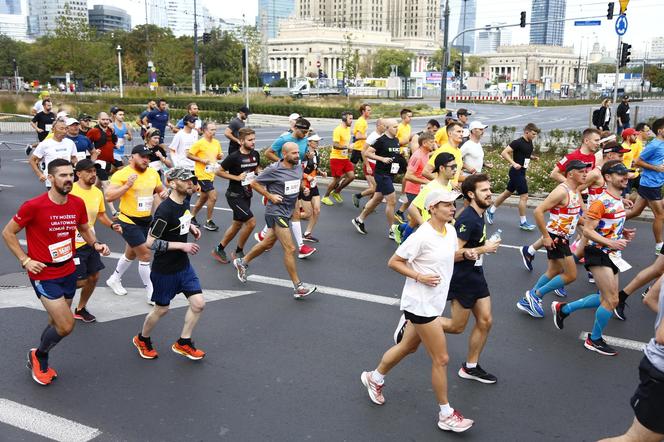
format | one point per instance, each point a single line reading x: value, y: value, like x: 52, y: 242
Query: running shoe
x: 116, y: 286
x: 658, y: 250
x: 211, y: 226
x: 561, y: 292
x: 308, y: 238
x: 306, y: 251
x: 399, y: 217
x: 219, y: 255
x: 144, y: 348
x: 600, y: 346
x: 303, y: 290
x: 527, y: 226
x: 591, y: 278
x: 149, y: 300
x: 645, y: 292
x: 454, y: 422
x: 477, y: 373
x: 531, y: 305
x: 259, y: 236
x: 39, y: 375
x: 374, y: 389
x: 337, y: 197
x: 619, y: 311
x: 401, y: 328
x: 195, y: 222
x: 359, y: 226
x: 490, y: 216
x: 558, y: 315
x: 241, y: 269
x: 356, y: 199
x: 527, y: 258
x: 396, y: 233
x: 84, y: 315
x: 327, y: 201
x: 390, y: 235
x: 188, y: 350
x: 28, y: 150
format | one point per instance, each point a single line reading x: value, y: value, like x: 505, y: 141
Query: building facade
x: 657, y: 48
x: 109, y: 18
x: 44, y: 14
x: 158, y: 13
x: 13, y: 19
x: 181, y: 18
x: 270, y: 14
x: 489, y: 40
x: 548, y: 33
x: 467, y: 19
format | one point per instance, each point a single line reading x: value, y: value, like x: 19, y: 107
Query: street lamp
x: 119, y: 50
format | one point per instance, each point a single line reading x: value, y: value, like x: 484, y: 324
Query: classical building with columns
x: 534, y: 64
x: 302, y: 44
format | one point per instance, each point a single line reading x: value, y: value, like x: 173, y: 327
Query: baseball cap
x: 612, y: 146
x: 293, y: 117
x: 477, y: 125
x: 450, y: 116
x: 84, y: 116
x: 628, y: 132
x: 141, y: 150
x: 440, y: 196
x: 576, y: 165
x: 463, y: 111
x: 114, y: 110
x: 61, y: 114
x: 245, y: 110
x: 179, y: 173
x: 84, y: 164
x: 617, y: 167
x: 314, y: 137
x: 70, y: 121
x: 189, y: 119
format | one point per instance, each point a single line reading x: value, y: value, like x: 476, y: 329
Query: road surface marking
x: 6, y: 185
x: 519, y: 248
x: 217, y: 208
x: 44, y: 424
x: 618, y: 342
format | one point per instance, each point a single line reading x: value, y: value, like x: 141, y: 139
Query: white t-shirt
x: 50, y: 149
x: 179, y: 147
x: 428, y: 251
x: 38, y: 107
x: 473, y: 155
x: 371, y: 139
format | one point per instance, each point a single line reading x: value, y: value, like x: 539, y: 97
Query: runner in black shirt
x: 240, y: 168
x: 158, y: 157
x: 172, y: 272
x: 232, y: 132
x: 42, y: 123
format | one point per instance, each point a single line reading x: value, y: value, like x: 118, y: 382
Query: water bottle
x: 496, y: 235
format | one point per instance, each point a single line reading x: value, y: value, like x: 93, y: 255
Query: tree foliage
x: 385, y: 58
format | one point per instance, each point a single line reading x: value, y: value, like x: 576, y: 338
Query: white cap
x: 70, y: 121
x: 62, y: 114
x: 314, y: 137
x: 477, y: 125
x: 293, y: 117
x: 438, y: 196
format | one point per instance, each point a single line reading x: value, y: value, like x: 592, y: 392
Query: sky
x: 644, y: 17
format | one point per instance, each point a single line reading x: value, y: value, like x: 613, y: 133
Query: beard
x: 294, y: 162
x: 484, y: 204
x: 65, y: 189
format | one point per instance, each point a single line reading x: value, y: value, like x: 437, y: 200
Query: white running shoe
x: 454, y: 422
x: 116, y: 286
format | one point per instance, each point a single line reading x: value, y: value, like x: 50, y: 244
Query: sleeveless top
x: 563, y: 220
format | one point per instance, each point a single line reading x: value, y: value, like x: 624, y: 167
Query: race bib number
x: 77, y: 261
x: 292, y: 187
x: 121, y: 142
x: 394, y: 168
x: 48, y: 127
x: 211, y: 168
x: 251, y: 176
x: 81, y: 155
x: 185, y: 223
x: 619, y: 262
x: 144, y: 203
x: 526, y: 163
x: 101, y: 163
x: 60, y: 251
x: 313, y: 183
x: 344, y: 152
x: 155, y: 165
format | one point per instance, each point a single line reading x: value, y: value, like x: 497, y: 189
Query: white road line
x: 519, y: 247
x: 44, y: 424
x: 618, y: 342
x: 225, y: 209
x: 361, y: 296
x: 6, y: 185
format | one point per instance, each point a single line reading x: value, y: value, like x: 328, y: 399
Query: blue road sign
x: 587, y: 23
x: 621, y: 24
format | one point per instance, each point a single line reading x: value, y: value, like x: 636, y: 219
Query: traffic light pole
x: 617, y: 81
x: 197, y: 67
x: 444, y: 62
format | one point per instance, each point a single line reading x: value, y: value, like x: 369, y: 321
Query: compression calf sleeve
x: 144, y: 273
x: 50, y: 339
x: 296, y: 227
x: 541, y: 281
x: 123, y: 264
x: 602, y: 317
x: 555, y: 283
x: 590, y: 301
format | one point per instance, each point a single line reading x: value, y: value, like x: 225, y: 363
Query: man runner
x: 205, y: 153
x: 58, y: 146
x: 369, y: 164
x: 341, y: 168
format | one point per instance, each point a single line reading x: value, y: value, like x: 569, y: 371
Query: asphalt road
x: 280, y: 369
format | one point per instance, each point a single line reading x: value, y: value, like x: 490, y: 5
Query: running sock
x: 184, y: 341
x: 602, y: 317
x: 590, y: 301
x: 296, y: 227
x: 144, y: 273
x: 238, y: 249
x: 358, y: 196
x: 523, y: 219
x: 220, y: 247
x: 471, y: 364
x: 659, y: 245
x: 50, y: 339
x: 622, y: 296
x: 555, y: 283
x: 264, y: 231
x: 143, y: 338
x: 406, y: 232
x: 531, y: 250
x: 377, y: 377
x: 43, y: 360
x: 44, y: 332
x: 123, y: 264
x: 446, y: 410
x: 360, y: 219
x: 399, y: 213
x: 542, y: 281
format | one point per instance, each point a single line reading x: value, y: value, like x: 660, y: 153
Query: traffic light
x: 457, y: 68
x: 320, y: 73
x: 206, y: 37
x: 522, y: 23
x: 609, y: 11
x: 625, y: 53
x: 244, y: 58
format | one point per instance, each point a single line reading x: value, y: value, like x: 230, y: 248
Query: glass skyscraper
x: 548, y: 33
x: 270, y: 12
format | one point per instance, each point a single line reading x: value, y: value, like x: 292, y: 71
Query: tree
x: 596, y: 68
x: 385, y: 58
x: 351, y: 57
x: 436, y: 60
x: 473, y: 64
x: 658, y: 81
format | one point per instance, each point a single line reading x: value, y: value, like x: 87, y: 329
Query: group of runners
x: 438, y: 224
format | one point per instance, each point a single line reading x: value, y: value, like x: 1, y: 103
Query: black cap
x: 244, y: 110
x: 612, y: 146
x: 114, y: 110
x: 189, y: 119
x: 83, y: 116
x: 616, y: 167
x: 84, y: 164
x: 463, y: 111
x: 450, y: 116
x: 576, y: 165
x: 141, y: 150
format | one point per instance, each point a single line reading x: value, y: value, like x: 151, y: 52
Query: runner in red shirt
x: 50, y: 222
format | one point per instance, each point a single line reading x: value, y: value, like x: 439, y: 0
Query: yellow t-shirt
x: 421, y: 197
x: 441, y: 136
x: 449, y: 149
x: 205, y: 150
x: 341, y: 135
x: 629, y: 157
x: 137, y: 201
x: 403, y: 130
x: 94, y: 205
x: 361, y: 127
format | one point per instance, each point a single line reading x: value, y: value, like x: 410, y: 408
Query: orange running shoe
x: 39, y: 376
x: 145, y: 349
x: 188, y: 350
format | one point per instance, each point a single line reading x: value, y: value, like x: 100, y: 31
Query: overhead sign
x: 587, y: 23
x: 621, y: 25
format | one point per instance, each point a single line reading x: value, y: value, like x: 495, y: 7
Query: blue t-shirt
x: 652, y: 154
x: 83, y: 143
x: 158, y: 119
x: 121, y: 132
x: 289, y: 138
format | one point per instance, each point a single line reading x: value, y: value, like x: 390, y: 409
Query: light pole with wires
x: 119, y: 50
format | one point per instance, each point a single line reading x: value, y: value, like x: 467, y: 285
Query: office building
x: 468, y: 12
x: 13, y: 19
x: 43, y: 15
x: 157, y: 12
x: 109, y: 18
x: 657, y: 48
x: 490, y: 39
x: 181, y: 18
x: 270, y: 13
x: 547, y: 33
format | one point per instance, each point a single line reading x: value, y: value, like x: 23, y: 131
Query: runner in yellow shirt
x: 404, y: 132
x: 441, y: 133
x: 360, y: 133
x: 341, y: 169
x: 455, y: 135
x: 632, y: 141
x: 205, y: 153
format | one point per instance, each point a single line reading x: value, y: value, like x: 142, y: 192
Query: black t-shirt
x: 623, y: 112
x: 235, y: 125
x: 311, y: 164
x: 521, y: 150
x: 154, y: 150
x: 386, y: 147
x: 171, y: 223
x: 42, y: 119
x: 236, y: 163
x: 470, y: 227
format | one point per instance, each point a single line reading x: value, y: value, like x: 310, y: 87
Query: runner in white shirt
x: 51, y: 148
x: 472, y: 151
x: 182, y: 141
